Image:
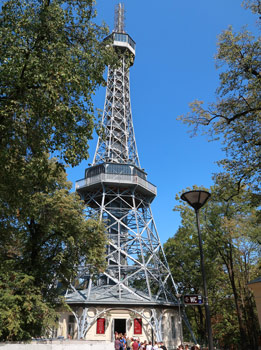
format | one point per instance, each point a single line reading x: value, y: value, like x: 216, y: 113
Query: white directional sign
x: 193, y: 299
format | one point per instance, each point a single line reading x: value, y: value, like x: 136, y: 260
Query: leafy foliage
x: 43, y: 240
x: 231, y: 220
x: 235, y: 116
x: 52, y: 60
x: 229, y: 226
x: 254, y: 5
x: 24, y: 312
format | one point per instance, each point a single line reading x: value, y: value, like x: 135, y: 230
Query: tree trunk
x: 231, y: 273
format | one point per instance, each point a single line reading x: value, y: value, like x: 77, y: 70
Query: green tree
x: 229, y: 224
x: 24, y: 312
x: 42, y: 243
x: 232, y: 224
x: 183, y: 256
x: 52, y: 59
x: 235, y: 116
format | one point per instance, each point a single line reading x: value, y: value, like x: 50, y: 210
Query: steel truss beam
x: 119, y: 143
x: 135, y: 258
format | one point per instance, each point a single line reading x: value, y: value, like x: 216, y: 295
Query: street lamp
x: 196, y: 199
x: 180, y: 319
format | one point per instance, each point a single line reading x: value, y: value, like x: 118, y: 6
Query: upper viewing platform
x: 116, y: 174
x: 122, y: 40
x: 119, y: 37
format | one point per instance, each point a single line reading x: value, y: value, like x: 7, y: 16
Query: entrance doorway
x: 120, y: 325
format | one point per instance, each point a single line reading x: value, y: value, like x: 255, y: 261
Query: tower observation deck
x: 115, y: 189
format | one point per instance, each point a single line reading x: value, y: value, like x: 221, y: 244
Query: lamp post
x: 180, y: 319
x: 196, y: 199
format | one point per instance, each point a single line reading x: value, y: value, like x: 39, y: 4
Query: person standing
x: 155, y: 347
x: 149, y: 346
x: 128, y: 343
x: 162, y: 346
x: 135, y: 345
x: 144, y: 344
x: 123, y: 343
x: 117, y: 344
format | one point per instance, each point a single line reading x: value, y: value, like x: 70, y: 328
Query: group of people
x: 122, y: 342
x: 186, y: 347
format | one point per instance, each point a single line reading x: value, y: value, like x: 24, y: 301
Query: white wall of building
x: 170, y: 327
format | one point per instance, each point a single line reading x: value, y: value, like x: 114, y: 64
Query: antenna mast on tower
x: 119, y: 19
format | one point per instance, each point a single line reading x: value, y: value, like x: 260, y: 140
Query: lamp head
x: 196, y: 198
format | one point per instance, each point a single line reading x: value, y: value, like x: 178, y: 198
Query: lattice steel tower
x: 116, y: 189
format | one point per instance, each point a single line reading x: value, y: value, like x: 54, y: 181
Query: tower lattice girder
x: 119, y: 145
x: 116, y: 190
x: 134, y: 250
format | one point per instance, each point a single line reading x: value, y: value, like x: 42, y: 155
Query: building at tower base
x: 103, y: 322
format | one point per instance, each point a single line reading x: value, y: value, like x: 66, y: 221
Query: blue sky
x: 174, y: 65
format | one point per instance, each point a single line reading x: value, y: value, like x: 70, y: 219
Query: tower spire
x: 119, y: 19
x: 117, y: 144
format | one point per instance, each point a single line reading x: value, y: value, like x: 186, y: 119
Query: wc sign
x: 193, y: 299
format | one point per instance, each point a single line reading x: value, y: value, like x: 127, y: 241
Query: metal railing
x: 116, y: 178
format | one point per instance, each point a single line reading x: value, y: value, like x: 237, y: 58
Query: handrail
x: 116, y: 178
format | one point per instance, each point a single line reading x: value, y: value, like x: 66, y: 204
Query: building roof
x: 106, y: 295
x: 256, y: 280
